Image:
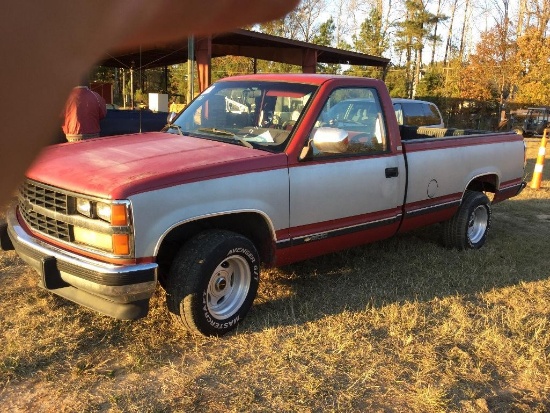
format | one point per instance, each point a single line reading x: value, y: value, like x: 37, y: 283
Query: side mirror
x: 331, y: 140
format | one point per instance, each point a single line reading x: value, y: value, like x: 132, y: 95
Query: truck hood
x: 119, y: 166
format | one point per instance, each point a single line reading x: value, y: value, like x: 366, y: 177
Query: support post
x: 203, y: 55
x: 309, y: 61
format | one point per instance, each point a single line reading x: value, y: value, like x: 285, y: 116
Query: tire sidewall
x: 230, y: 247
x: 480, y: 200
x: 213, y: 248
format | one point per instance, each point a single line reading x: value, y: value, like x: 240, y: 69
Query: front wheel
x: 213, y: 282
x: 468, y: 228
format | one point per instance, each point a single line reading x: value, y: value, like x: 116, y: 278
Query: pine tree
x: 411, y: 35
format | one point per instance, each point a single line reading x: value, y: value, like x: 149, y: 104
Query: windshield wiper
x: 245, y: 143
x: 173, y: 125
x: 221, y: 132
x: 216, y: 131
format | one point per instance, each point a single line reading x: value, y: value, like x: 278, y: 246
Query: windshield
x: 257, y: 114
x: 538, y: 115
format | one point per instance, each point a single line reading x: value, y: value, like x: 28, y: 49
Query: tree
x: 177, y: 82
x: 533, y: 53
x: 231, y: 66
x: 522, y: 16
x: 306, y: 16
x: 492, y: 71
x: 325, y: 37
x: 372, y: 39
x: 461, y: 48
x: 411, y: 35
x: 300, y: 24
x: 435, y: 37
x: 541, y: 13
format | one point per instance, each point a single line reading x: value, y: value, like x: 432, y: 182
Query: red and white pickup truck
x: 258, y: 171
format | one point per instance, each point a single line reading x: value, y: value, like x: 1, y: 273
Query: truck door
x: 351, y: 194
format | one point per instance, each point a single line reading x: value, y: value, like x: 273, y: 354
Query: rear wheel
x: 213, y: 282
x: 468, y: 228
x: 518, y: 131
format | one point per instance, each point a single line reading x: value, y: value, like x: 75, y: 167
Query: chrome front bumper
x: 120, y: 291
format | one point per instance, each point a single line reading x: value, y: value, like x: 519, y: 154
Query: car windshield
x: 255, y: 114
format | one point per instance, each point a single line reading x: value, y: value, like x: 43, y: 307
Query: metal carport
x: 239, y: 42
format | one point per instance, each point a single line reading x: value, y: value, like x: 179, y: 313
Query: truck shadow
x: 411, y: 267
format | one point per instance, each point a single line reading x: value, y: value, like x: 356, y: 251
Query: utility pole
x: 132, y: 86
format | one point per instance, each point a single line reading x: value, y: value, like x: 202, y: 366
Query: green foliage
x: 372, y: 38
x: 416, y: 27
x: 411, y: 35
x: 177, y: 80
x: 141, y: 97
x: 433, y: 81
x: 325, y: 37
x: 396, y: 81
x: 103, y: 74
x: 231, y: 66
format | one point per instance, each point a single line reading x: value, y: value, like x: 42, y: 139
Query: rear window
x: 417, y: 114
x: 413, y: 114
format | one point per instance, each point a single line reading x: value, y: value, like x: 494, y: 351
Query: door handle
x: 392, y: 172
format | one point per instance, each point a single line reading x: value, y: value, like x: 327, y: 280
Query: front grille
x: 49, y: 226
x: 46, y: 197
x: 33, y: 194
x: 52, y: 212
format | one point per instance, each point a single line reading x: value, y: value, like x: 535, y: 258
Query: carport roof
x: 241, y: 42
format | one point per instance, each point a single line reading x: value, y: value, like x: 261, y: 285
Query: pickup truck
x: 258, y: 171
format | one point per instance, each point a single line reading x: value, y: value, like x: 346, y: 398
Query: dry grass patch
x: 401, y: 325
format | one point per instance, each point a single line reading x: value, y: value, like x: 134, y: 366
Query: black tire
x: 518, y: 131
x: 468, y: 228
x: 213, y: 281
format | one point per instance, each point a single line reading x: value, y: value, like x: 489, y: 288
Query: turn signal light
x: 121, y: 244
x: 119, y: 217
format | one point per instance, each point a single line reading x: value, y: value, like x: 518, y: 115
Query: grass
x: 402, y: 325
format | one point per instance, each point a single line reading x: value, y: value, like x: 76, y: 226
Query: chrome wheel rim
x: 228, y: 287
x: 477, y: 224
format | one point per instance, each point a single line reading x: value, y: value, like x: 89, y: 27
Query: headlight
x: 84, y: 207
x: 109, y: 227
x: 119, y: 244
x: 103, y: 211
x: 93, y: 239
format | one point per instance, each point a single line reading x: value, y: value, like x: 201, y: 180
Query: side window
x: 351, y: 123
